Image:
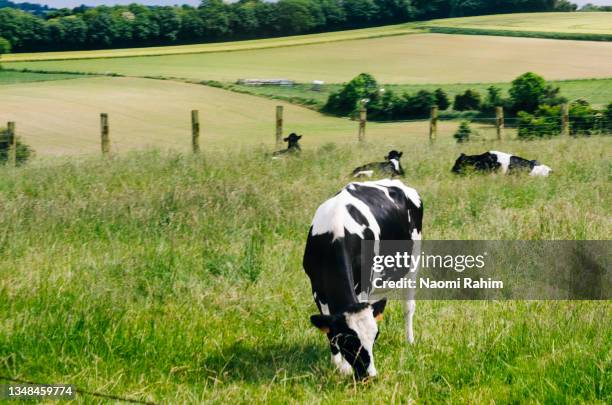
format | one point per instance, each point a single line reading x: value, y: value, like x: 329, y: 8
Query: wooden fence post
x: 499, y: 122
x: 279, y: 125
x: 12, y: 140
x: 104, y: 134
x: 363, y: 118
x: 195, y: 131
x: 433, y: 124
x: 565, y: 122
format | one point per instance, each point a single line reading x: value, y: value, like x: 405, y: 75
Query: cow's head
x: 394, y: 157
x: 353, y: 332
x: 461, y: 160
x: 292, y: 140
x: 538, y: 169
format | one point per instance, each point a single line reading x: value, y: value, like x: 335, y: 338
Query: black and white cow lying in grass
x: 390, y: 167
x: 375, y: 210
x: 492, y: 161
x: 292, y: 147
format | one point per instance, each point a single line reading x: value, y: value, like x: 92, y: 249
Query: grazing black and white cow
x: 374, y: 210
x: 391, y: 166
x: 293, y: 145
x: 493, y: 161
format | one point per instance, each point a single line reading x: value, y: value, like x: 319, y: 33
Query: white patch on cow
x: 416, y: 235
x: 341, y: 364
x: 410, y: 193
x: 333, y: 217
x: 503, y: 159
x: 365, y: 173
x: 364, y: 324
x: 324, y: 307
x: 540, y: 170
x: 395, y: 163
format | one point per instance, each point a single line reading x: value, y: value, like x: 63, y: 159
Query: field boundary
x: 576, y: 36
x: 234, y: 46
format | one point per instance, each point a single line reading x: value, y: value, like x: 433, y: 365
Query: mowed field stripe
x: 417, y: 58
x: 296, y: 40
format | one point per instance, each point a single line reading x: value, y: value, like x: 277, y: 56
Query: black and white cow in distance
x: 292, y: 147
x: 391, y: 166
x: 374, y: 210
x: 493, y: 161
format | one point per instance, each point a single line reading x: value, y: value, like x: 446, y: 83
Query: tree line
x: 213, y: 20
x: 534, y: 103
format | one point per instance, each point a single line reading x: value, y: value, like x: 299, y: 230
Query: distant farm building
x: 266, y: 82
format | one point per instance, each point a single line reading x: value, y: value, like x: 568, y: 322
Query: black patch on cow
x: 519, y: 164
x: 487, y: 162
x: 357, y: 215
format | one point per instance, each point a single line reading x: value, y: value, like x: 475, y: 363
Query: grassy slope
x: 63, y: 117
x: 178, y: 279
x: 596, y: 91
x: 10, y: 77
x: 418, y: 58
x: 389, y: 30
x: 572, y: 23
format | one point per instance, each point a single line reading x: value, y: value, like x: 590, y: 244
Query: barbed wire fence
x: 498, y: 128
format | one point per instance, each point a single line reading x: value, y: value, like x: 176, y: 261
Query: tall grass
x: 178, y: 278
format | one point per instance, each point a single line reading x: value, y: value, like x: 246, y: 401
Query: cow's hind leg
x: 409, y: 308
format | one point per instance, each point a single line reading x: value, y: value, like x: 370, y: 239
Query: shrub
x: 607, y: 116
x: 24, y: 152
x: 442, y: 100
x: 464, y: 132
x: 584, y: 119
x: 470, y: 100
x: 418, y: 105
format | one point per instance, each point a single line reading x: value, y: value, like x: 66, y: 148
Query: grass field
x: 415, y: 59
x: 62, y: 117
x: 178, y: 279
x: 596, y: 91
x: 576, y: 24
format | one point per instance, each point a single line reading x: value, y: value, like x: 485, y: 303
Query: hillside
x: 416, y: 58
x: 591, y: 25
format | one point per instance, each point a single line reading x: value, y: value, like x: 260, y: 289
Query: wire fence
x: 490, y: 128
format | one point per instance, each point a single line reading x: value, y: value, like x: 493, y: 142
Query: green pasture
x: 177, y: 279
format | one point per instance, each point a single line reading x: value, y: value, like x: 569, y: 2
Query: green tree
x: 470, y: 100
x: 527, y: 92
x: 442, y: 100
x: 346, y: 99
x: 294, y: 16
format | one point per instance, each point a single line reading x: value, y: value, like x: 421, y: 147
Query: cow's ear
x: 286, y: 139
x: 323, y: 322
x: 299, y: 137
x: 400, y: 154
x: 378, y: 308
x: 462, y: 154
